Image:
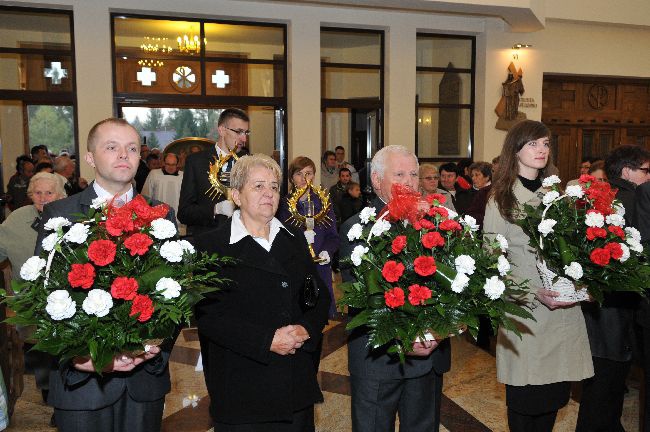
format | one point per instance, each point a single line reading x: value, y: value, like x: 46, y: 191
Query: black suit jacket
x: 195, y: 207
x: 71, y: 389
x: 378, y: 364
x: 641, y: 220
x: 247, y: 382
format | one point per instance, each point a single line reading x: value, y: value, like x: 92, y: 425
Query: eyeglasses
x: 432, y: 177
x: 239, y: 132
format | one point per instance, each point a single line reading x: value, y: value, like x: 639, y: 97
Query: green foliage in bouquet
x: 420, y: 269
x: 114, y: 282
x: 581, y: 235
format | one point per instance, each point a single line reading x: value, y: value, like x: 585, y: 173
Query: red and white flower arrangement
x: 581, y: 236
x: 421, y: 271
x: 114, y: 282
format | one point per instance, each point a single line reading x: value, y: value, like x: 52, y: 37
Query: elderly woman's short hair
x: 427, y: 167
x: 242, y: 168
x: 47, y: 177
x: 378, y: 164
x: 484, y: 168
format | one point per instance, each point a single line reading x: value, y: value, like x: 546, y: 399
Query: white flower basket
x: 560, y: 284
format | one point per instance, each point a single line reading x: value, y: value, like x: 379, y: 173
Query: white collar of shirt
x: 238, y: 231
x: 103, y: 193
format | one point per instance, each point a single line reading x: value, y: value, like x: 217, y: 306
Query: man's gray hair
x: 61, y: 163
x: 378, y: 164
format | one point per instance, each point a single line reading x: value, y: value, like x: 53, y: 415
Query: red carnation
x: 81, y: 276
x: 617, y: 231
x: 404, y: 204
x: 138, y: 244
x: 102, y: 252
x: 124, y: 288
x: 424, y: 265
x: 145, y: 213
x: 463, y: 183
x: 399, y: 243
x: 438, y: 210
x: 595, y: 232
x: 392, y: 271
x: 432, y: 198
x: 600, y: 256
x: 427, y: 224
x: 418, y: 294
x: 615, y: 250
x: 432, y: 239
x: 142, y: 305
x: 449, y: 225
x: 119, y: 221
x: 586, y: 178
x: 394, y: 297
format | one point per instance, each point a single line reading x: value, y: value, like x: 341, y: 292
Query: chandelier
x: 155, y: 44
x: 150, y: 63
x: 190, y: 44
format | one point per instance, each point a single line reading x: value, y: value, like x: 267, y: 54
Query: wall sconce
x: 516, y: 47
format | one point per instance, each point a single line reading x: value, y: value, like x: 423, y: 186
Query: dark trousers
x: 645, y: 336
x: 601, y: 405
x: 375, y: 403
x: 303, y: 421
x: 533, y: 408
x: 124, y: 415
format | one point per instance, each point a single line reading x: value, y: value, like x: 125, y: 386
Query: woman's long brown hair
x: 508, y: 168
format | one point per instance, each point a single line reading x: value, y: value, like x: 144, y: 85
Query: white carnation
x: 465, y: 264
x: 470, y: 222
x: 168, y: 287
x: 594, y: 220
x: 60, y: 305
x: 163, y: 229
x: 615, y: 219
x: 78, y: 233
x: 573, y: 270
x: 172, y: 251
x: 459, y: 283
x: 619, y: 209
x: 31, y: 270
x: 545, y: 227
x: 494, y: 287
x: 98, y: 303
x: 50, y: 241
x: 626, y: 252
x: 450, y: 213
x: 633, y: 233
x: 366, y: 214
x: 550, y: 197
x: 357, y: 254
x: 575, y: 191
x: 187, y: 247
x: 56, y: 222
x: 503, y: 242
x: 503, y: 265
x: 635, y: 245
x: 551, y: 180
x: 355, y: 232
x: 98, y: 203
x: 380, y: 227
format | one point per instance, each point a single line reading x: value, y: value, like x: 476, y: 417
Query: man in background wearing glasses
x: 197, y: 209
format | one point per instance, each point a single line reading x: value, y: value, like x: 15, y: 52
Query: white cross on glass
x: 220, y: 79
x: 55, y: 72
x: 146, y: 76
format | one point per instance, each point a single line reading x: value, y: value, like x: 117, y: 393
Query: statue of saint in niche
x: 508, y: 107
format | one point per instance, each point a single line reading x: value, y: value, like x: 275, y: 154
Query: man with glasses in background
x: 198, y: 209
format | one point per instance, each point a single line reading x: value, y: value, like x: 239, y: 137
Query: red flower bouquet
x: 421, y: 270
x: 581, y: 236
x: 115, y: 281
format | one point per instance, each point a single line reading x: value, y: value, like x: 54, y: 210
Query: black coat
x: 247, y: 382
x: 71, y: 389
x: 195, y: 207
x: 641, y: 220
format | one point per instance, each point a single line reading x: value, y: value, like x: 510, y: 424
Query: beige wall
x: 563, y: 47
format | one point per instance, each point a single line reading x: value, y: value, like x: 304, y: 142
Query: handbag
x: 310, y: 292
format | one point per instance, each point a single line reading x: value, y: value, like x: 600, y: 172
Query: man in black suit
x: 130, y: 395
x: 610, y: 325
x: 197, y: 209
x: 381, y: 385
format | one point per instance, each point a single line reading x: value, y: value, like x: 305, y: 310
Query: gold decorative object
x: 309, y: 220
x: 155, y: 44
x: 150, y: 63
x: 190, y: 44
x: 219, y: 180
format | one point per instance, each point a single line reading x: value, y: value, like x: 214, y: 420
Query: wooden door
x: 565, y: 153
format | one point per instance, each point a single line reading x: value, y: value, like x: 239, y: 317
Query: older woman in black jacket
x: 263, y: 325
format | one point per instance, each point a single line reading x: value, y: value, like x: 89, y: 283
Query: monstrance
x: 310, y: 219
x: 218, y: 178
